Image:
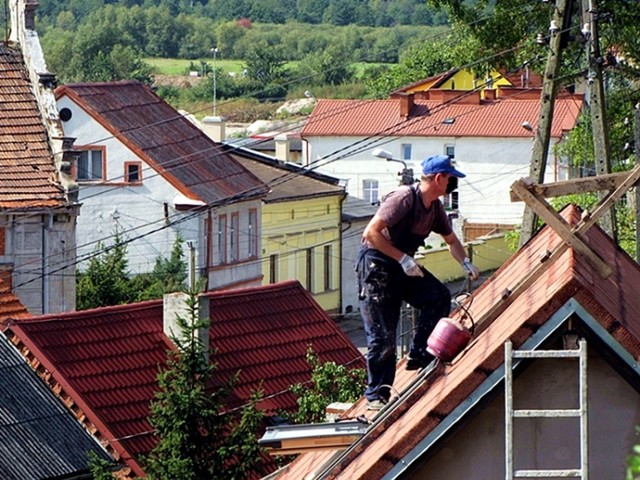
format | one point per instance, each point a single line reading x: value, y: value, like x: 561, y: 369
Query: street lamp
x: 406, y: 175
x: 214, y: 50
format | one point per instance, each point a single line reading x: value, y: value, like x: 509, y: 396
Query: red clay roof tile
x: 499, y: 118
x: 107, y: 359
x: 29, y: 178
x: 613, y: 302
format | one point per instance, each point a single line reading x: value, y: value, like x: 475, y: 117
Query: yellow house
x: 301, y: 227
x: 465, y: 80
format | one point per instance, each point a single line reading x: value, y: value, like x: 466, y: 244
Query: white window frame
x: 371, y: 190
x: 91, y: 165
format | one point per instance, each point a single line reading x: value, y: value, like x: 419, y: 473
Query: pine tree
x: 198, y: 439
x: 106, y: 280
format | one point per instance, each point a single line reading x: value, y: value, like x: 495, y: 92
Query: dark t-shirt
x: 395, y: 212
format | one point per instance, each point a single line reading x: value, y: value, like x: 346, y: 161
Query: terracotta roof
x: 567, y: 286
x: 497, y: 118
x: 107, y: 359
x: 168, y: 141
x: 29, y: 178
x: 10, y: 305
x: 286, y: 181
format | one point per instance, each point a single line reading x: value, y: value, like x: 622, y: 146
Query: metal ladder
x: 510, y: 413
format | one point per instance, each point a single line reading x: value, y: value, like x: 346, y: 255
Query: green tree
x: 106, y: 280
x: 633, y: 462
x: 330, y: 383
x: 168, y: 275
x: 198, y: 439
x: 265, y: 63
x: 100, y: 469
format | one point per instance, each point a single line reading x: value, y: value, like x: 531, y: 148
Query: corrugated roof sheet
x: 107, y: 359
x: 498, y: 118
x: 39, y: 437
x: 168, y: 141
x: 28, y: 178
x: 613, y: 302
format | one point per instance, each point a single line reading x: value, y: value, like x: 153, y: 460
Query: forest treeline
x: 98, y: 40
x: 372, y: 13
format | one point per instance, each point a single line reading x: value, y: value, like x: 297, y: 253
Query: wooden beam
x: 606, y: 182
x: 542, y: 209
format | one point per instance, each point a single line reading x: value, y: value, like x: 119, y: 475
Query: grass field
x: 178, y: 66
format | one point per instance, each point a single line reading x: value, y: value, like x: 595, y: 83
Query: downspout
x: 207, y: 254
x: 342, y: 199
x: 47, y: 226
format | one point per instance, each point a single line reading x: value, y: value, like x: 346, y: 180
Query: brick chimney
x: 174, y: 305
x: 406, y: 104
x: 214, y: 127
x: 283, y: 147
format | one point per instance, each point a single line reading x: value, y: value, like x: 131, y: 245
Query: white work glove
x: 470, y: 269
x: 410, y: 266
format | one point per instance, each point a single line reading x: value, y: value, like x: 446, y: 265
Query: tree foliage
x: 106, y: 280
x: 330, y: 382
x: 198, y: 439
x: 168, y: 275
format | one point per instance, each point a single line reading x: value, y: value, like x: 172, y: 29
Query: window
x: 273, y: 268
x: 310, y: 269
x: 450, y: 151
x: 234, y: 236
x: 253, y: 233
x: 132, y: 172
x: 406, y: 152
x: 90, y: 165
x: 370, y: 190
x: 222, y: 239
x: 327, y: 268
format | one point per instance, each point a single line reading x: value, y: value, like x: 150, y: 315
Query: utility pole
x: 557, y: 40
x: 597, y: 103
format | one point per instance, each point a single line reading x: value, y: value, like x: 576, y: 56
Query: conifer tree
x: 198, y: 439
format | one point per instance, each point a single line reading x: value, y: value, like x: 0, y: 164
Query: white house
x: 490, y: 139
x: 147, y: 173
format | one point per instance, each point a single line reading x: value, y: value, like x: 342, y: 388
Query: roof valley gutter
x: 493, y: 381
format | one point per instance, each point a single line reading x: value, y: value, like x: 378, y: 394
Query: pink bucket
x: 448, y: 339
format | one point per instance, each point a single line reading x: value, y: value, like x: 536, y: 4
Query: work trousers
x: 382, y: 287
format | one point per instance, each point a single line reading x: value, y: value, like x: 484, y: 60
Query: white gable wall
x: 146, y: 213
x: 491, y: 166
x: 478, y: 453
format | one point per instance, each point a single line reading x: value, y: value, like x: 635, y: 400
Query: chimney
x: 174, y: 305
x: 406, y: 104
x: 283, y: 146
x: 490, y: 94
x: 214, y: 127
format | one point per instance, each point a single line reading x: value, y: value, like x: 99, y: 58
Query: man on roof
x: 389, y: 275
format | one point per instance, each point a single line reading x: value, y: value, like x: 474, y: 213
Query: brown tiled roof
x: 10, y: 306
x: 287, y: 181
x: 498, y: 118
x: 168, y: 141
x: 107, y: 359
x: 612, y: 303
x: 28, y: 177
